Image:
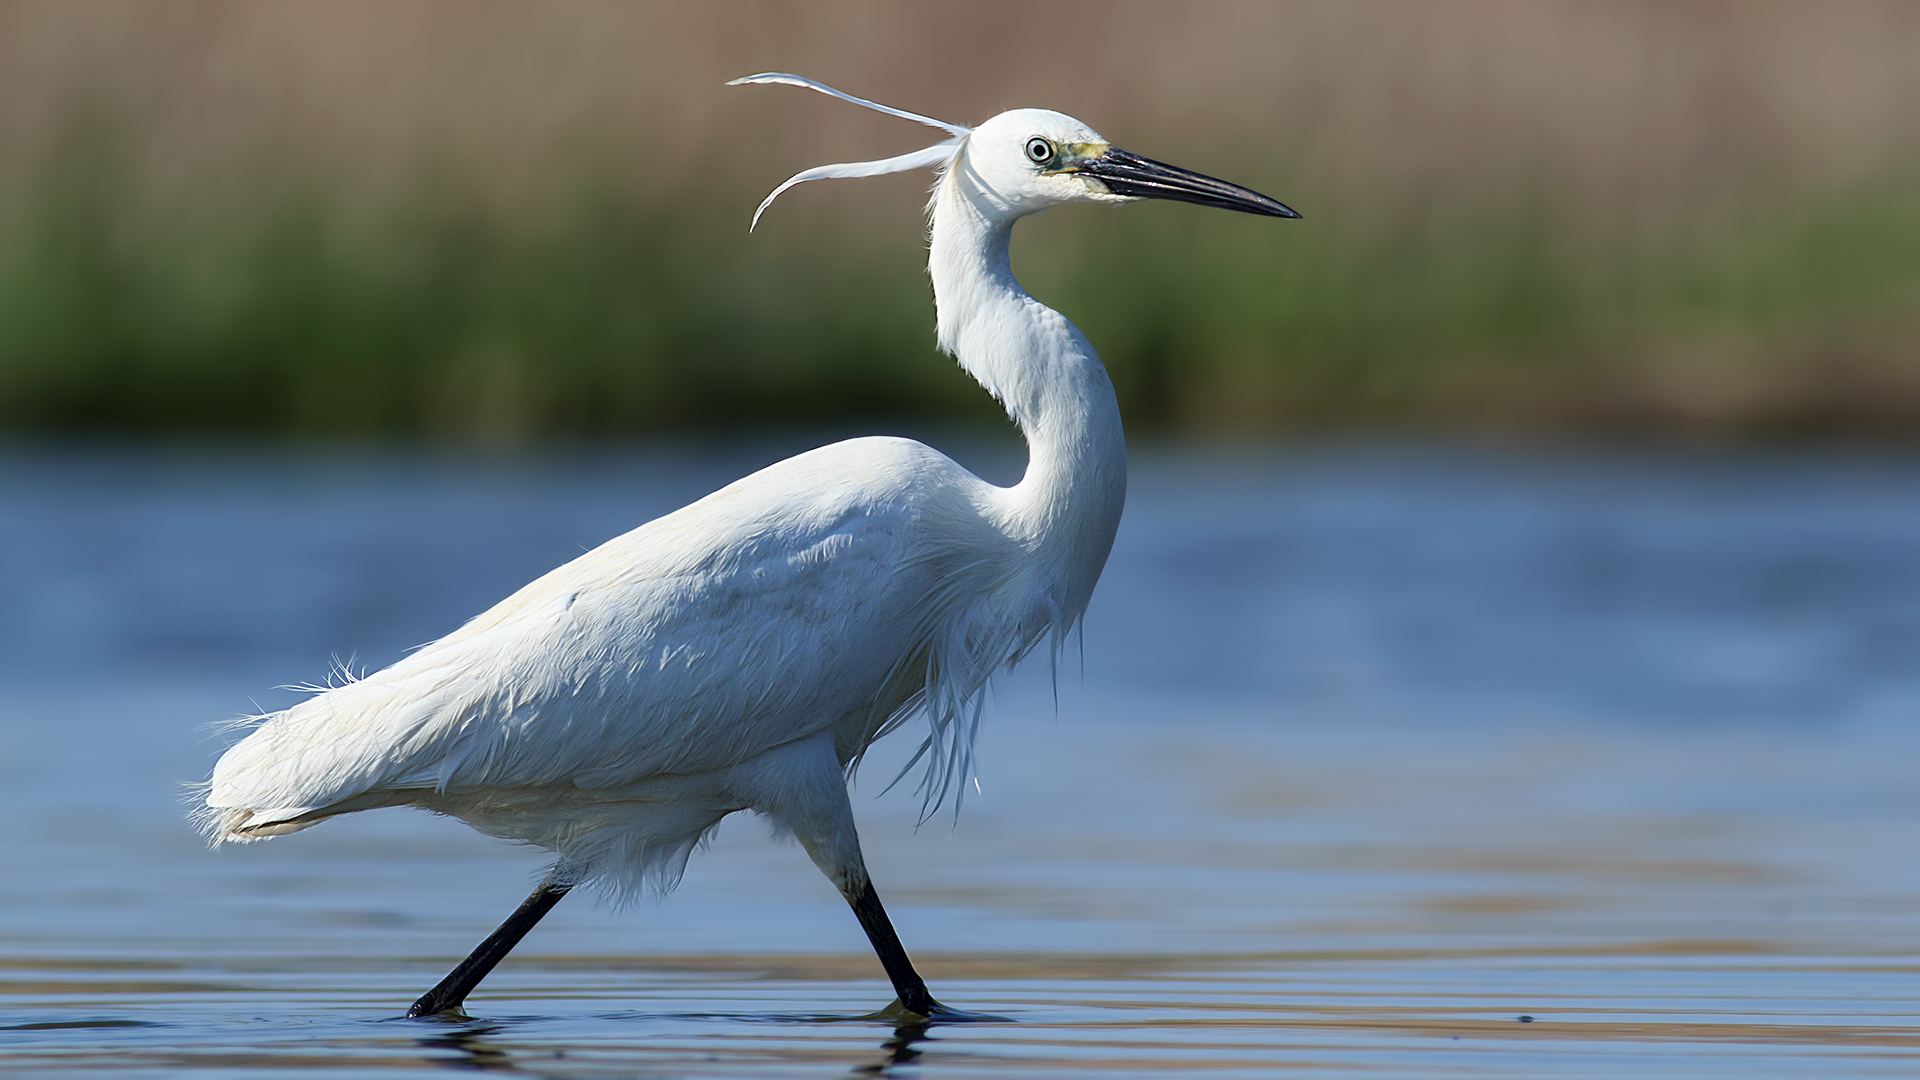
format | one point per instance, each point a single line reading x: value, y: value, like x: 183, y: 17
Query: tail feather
x: 347, y: 748
x: 238, y: 826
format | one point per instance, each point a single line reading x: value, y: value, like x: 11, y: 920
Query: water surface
x: 1369, y: 754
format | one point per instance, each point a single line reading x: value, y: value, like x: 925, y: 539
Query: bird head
x: 1036, y: 158
x: 1025, y: 160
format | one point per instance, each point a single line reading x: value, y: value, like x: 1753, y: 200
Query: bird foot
x: 936, y: 1013
x: 424, y: 1010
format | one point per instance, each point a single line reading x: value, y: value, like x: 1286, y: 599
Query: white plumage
x: 743, y: 652
x: 822, y: 595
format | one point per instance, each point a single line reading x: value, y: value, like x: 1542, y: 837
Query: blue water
x: 1369, y: 752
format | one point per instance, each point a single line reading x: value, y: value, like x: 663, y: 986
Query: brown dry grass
x: 1636, y: 135
x: 1646, y: 109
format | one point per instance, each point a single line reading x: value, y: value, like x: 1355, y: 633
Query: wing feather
x: 695, y: 642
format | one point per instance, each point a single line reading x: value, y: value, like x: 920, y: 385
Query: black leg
x: 460, y: 982
x: 906, y: 981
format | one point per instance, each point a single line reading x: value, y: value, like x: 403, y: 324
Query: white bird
x: 743, y: 652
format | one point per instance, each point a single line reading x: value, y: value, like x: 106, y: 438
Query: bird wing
x: 761, y: 614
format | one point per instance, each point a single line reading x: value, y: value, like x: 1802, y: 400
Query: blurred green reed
x: 617, y: 316
x: 497, y: 221
x: 1780, y: 320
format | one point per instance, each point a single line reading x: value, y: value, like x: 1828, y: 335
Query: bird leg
x: 893, y: 956
x: 461, y: 980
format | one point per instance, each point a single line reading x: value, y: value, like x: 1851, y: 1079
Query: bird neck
x: 1040, y: 367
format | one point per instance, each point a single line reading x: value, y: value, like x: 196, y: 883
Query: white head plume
x: 937, y: 154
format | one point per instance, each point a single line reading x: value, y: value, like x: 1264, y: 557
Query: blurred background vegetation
x: 475, y: 219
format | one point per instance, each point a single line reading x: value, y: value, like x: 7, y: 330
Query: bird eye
x: 1039, y: 150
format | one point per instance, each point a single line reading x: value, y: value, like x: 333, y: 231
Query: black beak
x: 1143, y: 178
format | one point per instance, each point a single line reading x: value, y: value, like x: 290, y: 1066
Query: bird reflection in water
x: 474, y: 1051
x: 472, y: 1048
x: 898, y: 1050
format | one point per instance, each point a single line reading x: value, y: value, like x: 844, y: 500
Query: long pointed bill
x: 1143, y: 178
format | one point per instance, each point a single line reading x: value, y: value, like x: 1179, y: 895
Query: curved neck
x: 1042, y: 370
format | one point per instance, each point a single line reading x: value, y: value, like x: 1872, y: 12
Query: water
x: 1371, y: 753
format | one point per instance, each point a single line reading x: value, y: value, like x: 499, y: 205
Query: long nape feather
x: 781, y: 78
x: 937, y: 154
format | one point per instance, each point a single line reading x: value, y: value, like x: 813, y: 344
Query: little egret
x: 743, y: 652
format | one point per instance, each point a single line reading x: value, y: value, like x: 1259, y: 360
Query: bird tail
x: 248, y: 797
x: 236, y: 826
x: 244, y: 825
